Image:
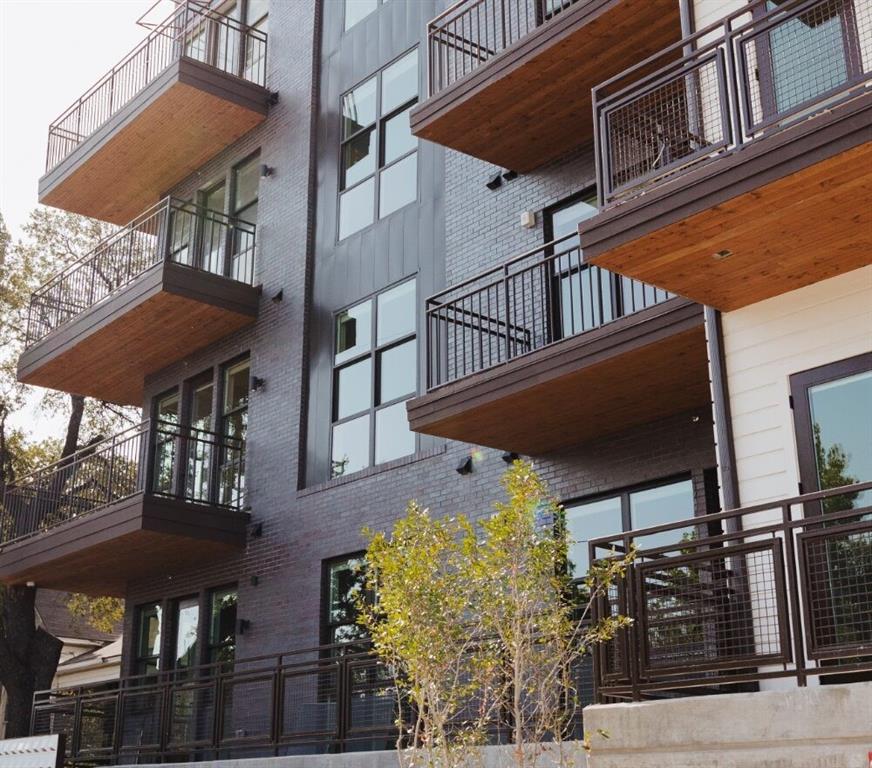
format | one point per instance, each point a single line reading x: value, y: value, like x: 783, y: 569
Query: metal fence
x: 192, y: 31
x: 536, y: 299
x: 155, y: 456
x: 325, y: 699
x: 171, y: 230
x: 770, y: 591
x: 756, y: 71
x: 471, y: 32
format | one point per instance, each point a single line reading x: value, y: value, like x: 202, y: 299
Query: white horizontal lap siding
x: 767, y: 342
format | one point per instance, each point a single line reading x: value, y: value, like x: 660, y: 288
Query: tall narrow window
x: 200, y: 445
x: 357, y: 10
x: 378, y: 156
x: 345, y: 586
x: 375, y: 373
x: 234, y: 426
x: 222, y: 625
x: 186, y: 620
x: 213, y: 229
x: 166, y: 439
x: 148, y: 639
x: 256, y: 17
x: 246, y: 178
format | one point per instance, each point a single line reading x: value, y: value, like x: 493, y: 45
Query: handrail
x: 718, y: 90
x: 193, y: 30
x: 534, y: 299
x: 171, y: 230
x: 155, y: 456
x: 740, y: 596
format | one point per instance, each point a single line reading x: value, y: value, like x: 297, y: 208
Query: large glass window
x: 167, y: 415
x: 379, y: 158
x: 346, y: 585
x: 148, y: 639
x: 357, y: 10
x: 834, y: 429
x: 246, y: 180
x: 373, y: 381
x: 628, y: 510
x: 222, y: 624
x: 256, y: 16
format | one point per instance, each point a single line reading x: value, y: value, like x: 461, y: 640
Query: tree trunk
x: 29, y: 656
x: 71, y: 441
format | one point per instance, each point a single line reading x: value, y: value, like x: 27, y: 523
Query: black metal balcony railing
x: 534, y: 300
x: 173, y: 231
x: 471, y: 32
x: 326, y: 699
x: 724, y: 87
x: 192, y: 31
x: 774, y: 590
x: 156, y: 457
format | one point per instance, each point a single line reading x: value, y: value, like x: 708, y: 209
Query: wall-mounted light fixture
x: 496, y: 182
x: 465, y: 466
x: 509, y: 175
x: 278, y: 297
x: 257, y: 383
x: 242, y: 626
x: 528, y: 219
x: 254, y: 581
x: 265, y: 171
x: 509, y: 457
x: 256, y: 530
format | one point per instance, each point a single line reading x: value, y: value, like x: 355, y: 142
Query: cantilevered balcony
x: 191, y: 88
x: 743, y: 169
x: 510, y: 80
x: 544, y: 352
x: 172, y: 281
x: 151, y: 500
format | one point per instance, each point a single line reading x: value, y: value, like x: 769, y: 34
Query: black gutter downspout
x: 721, y: 409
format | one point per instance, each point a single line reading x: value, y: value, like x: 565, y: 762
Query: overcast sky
x: 51, y: 52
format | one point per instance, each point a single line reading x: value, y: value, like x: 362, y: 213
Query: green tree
x: 28, y: 654
x: 482, y: 627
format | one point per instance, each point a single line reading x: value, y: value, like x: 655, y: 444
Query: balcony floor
x: 794, y: 208
x: 163, y: 316
x: 531, y: 103
x: 644, y: 366
x: 177, y: 124
x: 144, y: 535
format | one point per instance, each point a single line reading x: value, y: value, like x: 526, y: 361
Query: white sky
x: 51, y: 52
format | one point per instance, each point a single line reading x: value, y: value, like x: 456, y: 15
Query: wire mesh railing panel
x: 142, y: 710
x: 532, y: 301
x: 191, y: 714
x: 373, y: 701
x: 97, y: 725
x: 712, y: 609
x: 247, y: 707
x: 193, y: 31
x: 762, y: 67
x: 310, y: 703
x: 676, y: 120
x: 777, y: 590
x: 472, y: 32
x: 837, y: 568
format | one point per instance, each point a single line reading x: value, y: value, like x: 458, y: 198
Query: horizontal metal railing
x: 193, y: 31
x: 471, y: 32
x: 157, y: 457
x: 324, y: 699
x: 534, y: 300
x: 722, y: 88
x: 774, y: 590
x: 172, y: 230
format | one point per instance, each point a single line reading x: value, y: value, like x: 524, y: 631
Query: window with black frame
x: 345, y: 586
x: 234, y: 427
x: 148, y: 639
x: 375, y: 372
x: 584, y: 296
x: 245, y: 181
x: 221, y: 640
x: 378, y: 154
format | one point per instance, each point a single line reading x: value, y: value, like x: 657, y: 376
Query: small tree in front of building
x: 484, y: 629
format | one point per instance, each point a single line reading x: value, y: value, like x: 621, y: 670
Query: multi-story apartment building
x: 373, y: 249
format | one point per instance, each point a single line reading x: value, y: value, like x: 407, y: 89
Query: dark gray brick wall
x: 303, y: 527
